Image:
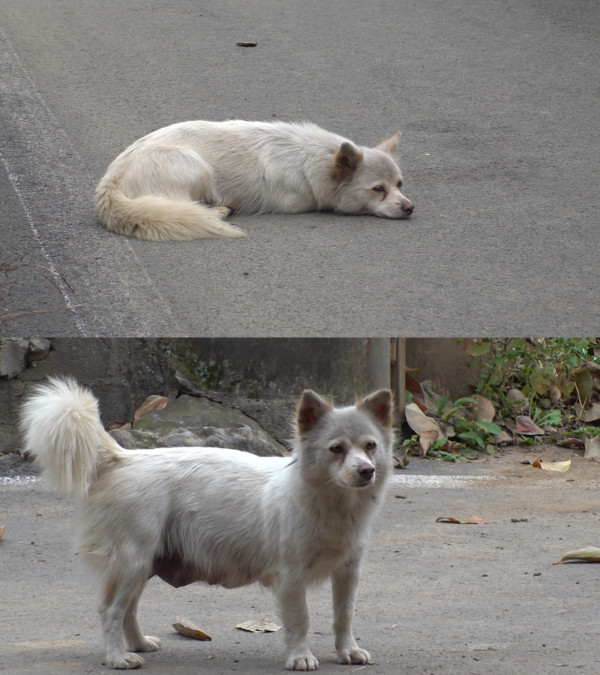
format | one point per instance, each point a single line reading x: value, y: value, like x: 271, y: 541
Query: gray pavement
x: 434, y: 598
x: 499, y: 109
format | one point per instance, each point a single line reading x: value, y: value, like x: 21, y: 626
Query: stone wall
x: 262, y: 377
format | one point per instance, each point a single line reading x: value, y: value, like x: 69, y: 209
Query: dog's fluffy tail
x: 62, y: 430
x: 160, y: 218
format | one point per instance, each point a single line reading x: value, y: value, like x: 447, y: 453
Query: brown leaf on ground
x: 552, y: 466
x: 525, y: 426
x: 555, y: 393
x: 571, y: 443
x: 188, y: 629
x: 116, y: 425
x: 152, y: 403
x: 473, y: 520
x: 584, y: 381
x: 258, y: 626
x: 484, y: 409
x: 425, y: 427
x: 592, y: 413
x: 2, y: 531
x: 504, y: 437
x: 416, y: 390
x: 589, y: 554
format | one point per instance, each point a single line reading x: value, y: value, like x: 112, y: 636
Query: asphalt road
x: 498, y: 104
x: 434, y: 597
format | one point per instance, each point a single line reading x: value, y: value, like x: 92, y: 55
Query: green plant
x: 538, y: 367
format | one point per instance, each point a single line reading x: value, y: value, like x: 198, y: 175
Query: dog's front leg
x: 344, y: 583
x: 291, y: 595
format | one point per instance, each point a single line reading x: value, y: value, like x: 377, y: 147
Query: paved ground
x: 435, y: 598
x: 497, y: 101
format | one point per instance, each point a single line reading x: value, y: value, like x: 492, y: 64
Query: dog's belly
x: 178, y: 572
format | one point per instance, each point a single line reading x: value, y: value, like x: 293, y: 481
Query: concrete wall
x: 263, y: 377
x: 444, y: 361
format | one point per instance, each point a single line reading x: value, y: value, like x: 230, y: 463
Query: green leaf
x: 478, y: 348
x: 489, y: 427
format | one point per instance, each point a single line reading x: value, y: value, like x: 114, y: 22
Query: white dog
x: 181, y: 181
x: 221, y: 516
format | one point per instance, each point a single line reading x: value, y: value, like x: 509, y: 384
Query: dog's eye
x: 371, y: 446
x: 337, y: 448
x: 378, y: 188
x: 400, y: 184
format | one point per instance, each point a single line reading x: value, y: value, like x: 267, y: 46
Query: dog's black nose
x: 408, y: 208
x: 366, y: 472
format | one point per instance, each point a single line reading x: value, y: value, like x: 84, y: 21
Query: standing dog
x: 181, y: 181
x: 176, y: 512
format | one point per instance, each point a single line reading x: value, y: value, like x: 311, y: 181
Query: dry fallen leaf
x: 188, y: 629
x: 516, y: 396
x: 258, y: 626
x: 592, y: 413
x: 2, y: 531
x: 584, y: 382
x: 571, y: 443
x: 592, y: 447
x: 473, y: 520
x: 525, y: 426
x: 504, y: 437
x: 552, y: 466
x: 152, y: 403
x: 555, y: 393
x: 425, y: 427
x: 589, y: 554
x: 484, y: 409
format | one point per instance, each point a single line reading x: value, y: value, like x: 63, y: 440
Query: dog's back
x: 181, y: 181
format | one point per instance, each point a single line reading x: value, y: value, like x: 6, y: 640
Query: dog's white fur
x: 181, y: 181
x: 220, y: 516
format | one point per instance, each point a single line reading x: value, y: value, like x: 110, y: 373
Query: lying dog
x: 220, y: 516
x: 181, y: 181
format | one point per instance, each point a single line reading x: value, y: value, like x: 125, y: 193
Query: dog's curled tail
x: 160, y: 218
x: 62, y: 429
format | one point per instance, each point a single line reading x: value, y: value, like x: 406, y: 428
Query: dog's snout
x: 366, y: 471
x: 408, y: 207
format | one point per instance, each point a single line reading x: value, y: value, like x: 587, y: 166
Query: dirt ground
x: 434, y: 597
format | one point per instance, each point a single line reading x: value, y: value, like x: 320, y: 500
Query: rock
x: 13, y: 353
x: 39, y: 348
x: 191, y: 422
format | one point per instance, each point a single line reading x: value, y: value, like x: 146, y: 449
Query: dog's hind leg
x: 119, y: 599
x: 344, y: 584
x: 291, y: 595
x: 134, y: 638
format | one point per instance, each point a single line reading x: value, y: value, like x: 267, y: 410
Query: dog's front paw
x: 306, y: 661
x: 124, y: 661
x: 147, y: 644
x: 356, y: 655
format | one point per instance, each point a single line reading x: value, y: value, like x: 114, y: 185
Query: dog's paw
x: 124, y: 661
x: 355, y: 655
x: 147, y: 644
x: 305, y: 661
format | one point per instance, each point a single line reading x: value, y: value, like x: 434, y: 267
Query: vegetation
x: 525, y: 388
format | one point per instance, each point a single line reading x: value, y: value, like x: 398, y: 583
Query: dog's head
x: 344, y: 447
x: 371, y: 180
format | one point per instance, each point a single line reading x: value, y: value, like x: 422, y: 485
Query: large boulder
x: 191, y: 422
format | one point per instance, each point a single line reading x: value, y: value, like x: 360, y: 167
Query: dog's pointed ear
x: 346, y: 160
x: 390, y: 145
x: 310, y: 410
x: 380, y: 405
